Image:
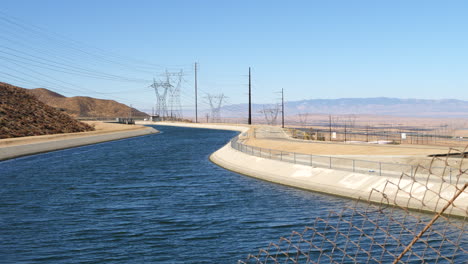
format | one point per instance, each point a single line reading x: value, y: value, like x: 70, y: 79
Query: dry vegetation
x: 85, y: 107
x: 21, y: 114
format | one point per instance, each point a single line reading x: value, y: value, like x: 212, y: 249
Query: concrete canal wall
x: 403, y: 191
x: 56, y: 142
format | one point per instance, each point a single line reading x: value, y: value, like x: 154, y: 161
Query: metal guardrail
x: 344, y: 164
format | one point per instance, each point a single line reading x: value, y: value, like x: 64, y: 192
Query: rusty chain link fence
x: 386, y: 231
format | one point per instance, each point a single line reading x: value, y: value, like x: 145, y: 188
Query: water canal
x: 154, y: 199
x: 151, y: 199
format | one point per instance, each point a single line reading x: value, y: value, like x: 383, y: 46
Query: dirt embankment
x: 22, y: 114
x: 100, y: 128
x: 82, y: 107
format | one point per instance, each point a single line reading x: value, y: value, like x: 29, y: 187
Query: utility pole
x: 345, y: 126
x: 250, y: 99
x: 196, y: 101
x: 367, y: 132
x: 282, y: 107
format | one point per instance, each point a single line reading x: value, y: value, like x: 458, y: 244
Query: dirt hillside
x: 22, y: 114
x: 80, y: 106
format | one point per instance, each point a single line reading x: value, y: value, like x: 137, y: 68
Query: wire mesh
x: 381, y: 229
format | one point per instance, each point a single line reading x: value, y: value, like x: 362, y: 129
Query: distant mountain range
x: 81, y: 106
x: 375, y: 106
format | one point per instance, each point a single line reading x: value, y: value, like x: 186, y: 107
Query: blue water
x: 151, y: 199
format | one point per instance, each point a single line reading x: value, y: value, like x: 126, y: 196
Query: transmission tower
x: 168, y: 95
x: 216, y: 101
x: 271, y: 114
x: 161, y: 88
x: 175, y: 79
x: 303, y: 118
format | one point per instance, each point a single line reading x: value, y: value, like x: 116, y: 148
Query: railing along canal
x: 336, y: 163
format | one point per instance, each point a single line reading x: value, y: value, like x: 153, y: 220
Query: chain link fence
x: 397, y: 136
x: 386, y: 231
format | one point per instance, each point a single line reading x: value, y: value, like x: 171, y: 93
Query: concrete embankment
x: 240, y: 128
x: 34, y: 145
x: 405, y: 191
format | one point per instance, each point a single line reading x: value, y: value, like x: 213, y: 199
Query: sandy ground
x: 101, y: 129
x: 274, y: 138
x: 318, y: 148
x: 461, y: 132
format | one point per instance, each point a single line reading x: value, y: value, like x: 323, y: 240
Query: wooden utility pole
x: 367, y: 133
x: 345, y: 125
x: 282, y: 107
x: 250, y: 99
x: 196, y: 101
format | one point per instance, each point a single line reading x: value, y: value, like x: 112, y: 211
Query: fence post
x: 311, y: 162
x: 281, y: 155
x: 294, y: 157
x: 353, y: 166
x: 330, y: 163
x: 270, y: 154
x: 380, y: 168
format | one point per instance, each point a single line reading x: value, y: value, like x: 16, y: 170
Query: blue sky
x: 312, y: 49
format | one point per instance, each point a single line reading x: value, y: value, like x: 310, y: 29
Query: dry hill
x: 21, y: 114
x: 80, y: 106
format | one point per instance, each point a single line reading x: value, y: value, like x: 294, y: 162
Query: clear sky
x: 312, y: 49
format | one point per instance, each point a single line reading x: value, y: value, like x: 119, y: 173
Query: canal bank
x: 419, y: 193
x: 18, y: 147
x: 161, y: 201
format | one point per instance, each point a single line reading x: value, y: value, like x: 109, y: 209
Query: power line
x: 100, y: 54
x: 67, y: 68
x: 54, y: 85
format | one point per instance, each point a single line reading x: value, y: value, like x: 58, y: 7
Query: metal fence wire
x: 386, y: 232
x: 346, y: 164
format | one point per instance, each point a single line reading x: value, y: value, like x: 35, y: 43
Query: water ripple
x: 151, y: 199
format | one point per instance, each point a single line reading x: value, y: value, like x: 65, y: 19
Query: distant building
x: 155, y: 118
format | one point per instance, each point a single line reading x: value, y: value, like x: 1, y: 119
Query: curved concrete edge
x: 36, y: 148
x: 240, y: 128
x: 403, y: 191
x: 341, y: 183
